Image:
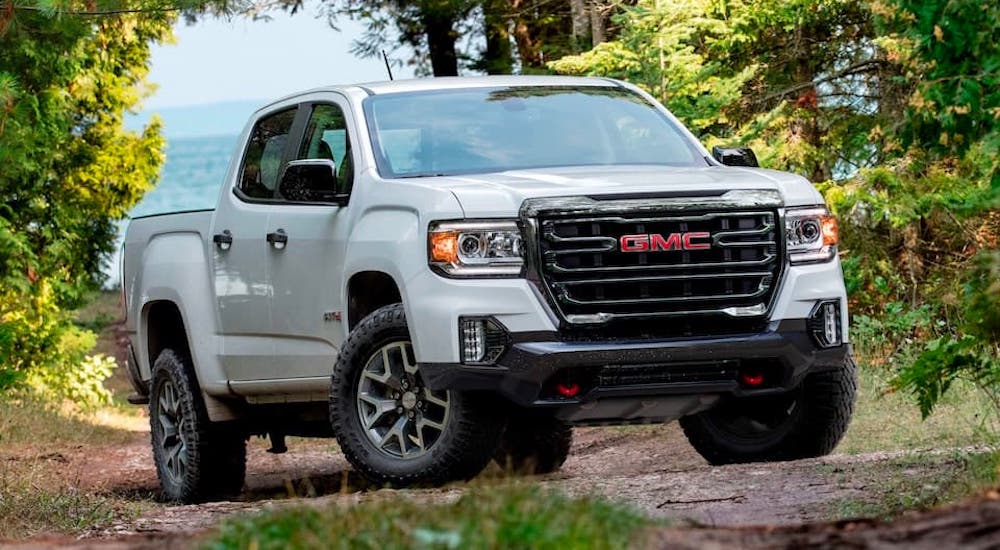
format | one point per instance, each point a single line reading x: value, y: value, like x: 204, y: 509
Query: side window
x: 326, y: 138
x: 264, y: 153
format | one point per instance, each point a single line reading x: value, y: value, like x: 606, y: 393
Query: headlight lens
x: 476, y: 249
x: 810, y: 235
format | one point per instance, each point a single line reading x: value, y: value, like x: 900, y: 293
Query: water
x: 189, y: 180
x: 191, y: 177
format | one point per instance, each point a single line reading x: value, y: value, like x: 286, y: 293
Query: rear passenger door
x: 307, y: 273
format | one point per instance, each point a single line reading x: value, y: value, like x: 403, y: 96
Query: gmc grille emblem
x: 655, y: 242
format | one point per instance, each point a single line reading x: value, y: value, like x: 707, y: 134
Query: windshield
x: 496, y: 129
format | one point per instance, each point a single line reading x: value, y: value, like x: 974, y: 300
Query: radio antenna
x: 388, y: 69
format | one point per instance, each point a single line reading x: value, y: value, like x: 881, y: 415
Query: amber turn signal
x: 444, y: 247
x: 830, y: 233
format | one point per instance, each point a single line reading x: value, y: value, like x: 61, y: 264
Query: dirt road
x: 651, y: 468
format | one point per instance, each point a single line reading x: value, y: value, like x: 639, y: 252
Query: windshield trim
x: 385, y: 171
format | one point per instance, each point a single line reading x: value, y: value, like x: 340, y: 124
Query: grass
x: 39, y: 493
x: 30, y: 423
x: 957, y: 477
x: 30, y: 504
x: 515, y: 516
x: 101, y: 312
x: 887, y: 421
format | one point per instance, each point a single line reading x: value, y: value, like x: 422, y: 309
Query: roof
x: 454, y: 83
x: 457, y: 82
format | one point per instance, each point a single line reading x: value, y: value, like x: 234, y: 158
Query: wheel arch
x: 165, y: 323
x: 367, y: 291
x: 164, y: 328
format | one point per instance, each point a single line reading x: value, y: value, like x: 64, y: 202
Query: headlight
x: 476, y: 249
x: 810, y: 235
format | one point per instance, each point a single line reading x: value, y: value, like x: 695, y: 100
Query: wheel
x: 535, y: 442
x: 195, y: 459
x: 806, y: 422
x: 392, y: 428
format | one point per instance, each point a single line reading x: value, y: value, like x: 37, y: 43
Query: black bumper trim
x: 534, y: 358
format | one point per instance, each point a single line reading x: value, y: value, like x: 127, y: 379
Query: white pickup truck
x: 448, y: 271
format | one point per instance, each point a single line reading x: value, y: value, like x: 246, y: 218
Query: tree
x: 430, y: 27
x: 70, y: 169
x: 519, y: 35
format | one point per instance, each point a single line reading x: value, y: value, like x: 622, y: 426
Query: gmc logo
x: 656, y: 242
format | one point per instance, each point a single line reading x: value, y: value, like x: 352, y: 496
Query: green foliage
x: 780, y: 76
x: 81, y: 382
x: 943, y: 361
x: 657, y: 49
x: 974, y: 356
x: 982, y: 304
x: 954, y: 45
x: 70, y: 172
x: 42, y: 351
x: 506, y: 517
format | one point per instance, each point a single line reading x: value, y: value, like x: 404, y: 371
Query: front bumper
x: 526, y: 373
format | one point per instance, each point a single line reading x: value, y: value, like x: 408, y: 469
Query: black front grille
x: 677, y: 289
x: 675, y: 373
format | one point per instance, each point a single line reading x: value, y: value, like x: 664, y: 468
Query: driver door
x: 306, y: 274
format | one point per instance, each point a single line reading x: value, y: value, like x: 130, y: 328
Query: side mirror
x: 311, y: 180
x: 735, y: 156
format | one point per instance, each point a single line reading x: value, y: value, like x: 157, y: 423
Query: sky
x: 221, y: 61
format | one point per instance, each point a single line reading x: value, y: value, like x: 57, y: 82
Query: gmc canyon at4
x: 449, y: 271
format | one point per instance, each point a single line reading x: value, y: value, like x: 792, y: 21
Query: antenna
x: 388, y: 69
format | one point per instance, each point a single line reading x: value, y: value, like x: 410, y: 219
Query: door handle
x: 278, y: 239
x: 223, y: 240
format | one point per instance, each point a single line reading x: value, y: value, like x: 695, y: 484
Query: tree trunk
x: 498, y: 58
x: 441, y: 37
x: 596, y: 22
x: 526, y: 50
x: 581, y: 24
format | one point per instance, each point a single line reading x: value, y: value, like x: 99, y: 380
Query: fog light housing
x: 482, y: 340
x: 824, y: 324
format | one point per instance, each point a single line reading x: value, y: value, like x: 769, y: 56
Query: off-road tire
x: 822, y: 408
x: 535, y: 442
x: 215, y: 454
x: 464, y: 448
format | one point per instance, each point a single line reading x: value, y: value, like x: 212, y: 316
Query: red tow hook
x: 568, y: 390
x: 752, y: 379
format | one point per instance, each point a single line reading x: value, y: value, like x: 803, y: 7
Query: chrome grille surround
x: 573, y: 257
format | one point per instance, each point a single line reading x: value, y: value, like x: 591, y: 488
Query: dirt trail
x: 650, y: 468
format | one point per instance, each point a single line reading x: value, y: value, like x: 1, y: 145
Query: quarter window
x: 265, y: 154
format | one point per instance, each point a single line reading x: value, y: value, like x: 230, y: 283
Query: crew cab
x: 444, y: 272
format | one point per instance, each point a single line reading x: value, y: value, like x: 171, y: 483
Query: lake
x: 189, y: 180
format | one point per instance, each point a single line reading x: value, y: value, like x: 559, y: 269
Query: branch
x: 102, y: 12
x: 856, y: 68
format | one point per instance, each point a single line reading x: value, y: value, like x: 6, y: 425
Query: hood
x: 501, y: 194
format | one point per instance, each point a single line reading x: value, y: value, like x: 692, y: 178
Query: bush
x: 973, y: 354
x: 43, y: 352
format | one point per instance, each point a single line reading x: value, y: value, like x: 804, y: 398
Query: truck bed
x: 144, y: 229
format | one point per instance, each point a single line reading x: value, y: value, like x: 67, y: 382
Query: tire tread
x: 829, y: 405
x: 535, y: 442
x: 476, y: 434
x: 217, y: 456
